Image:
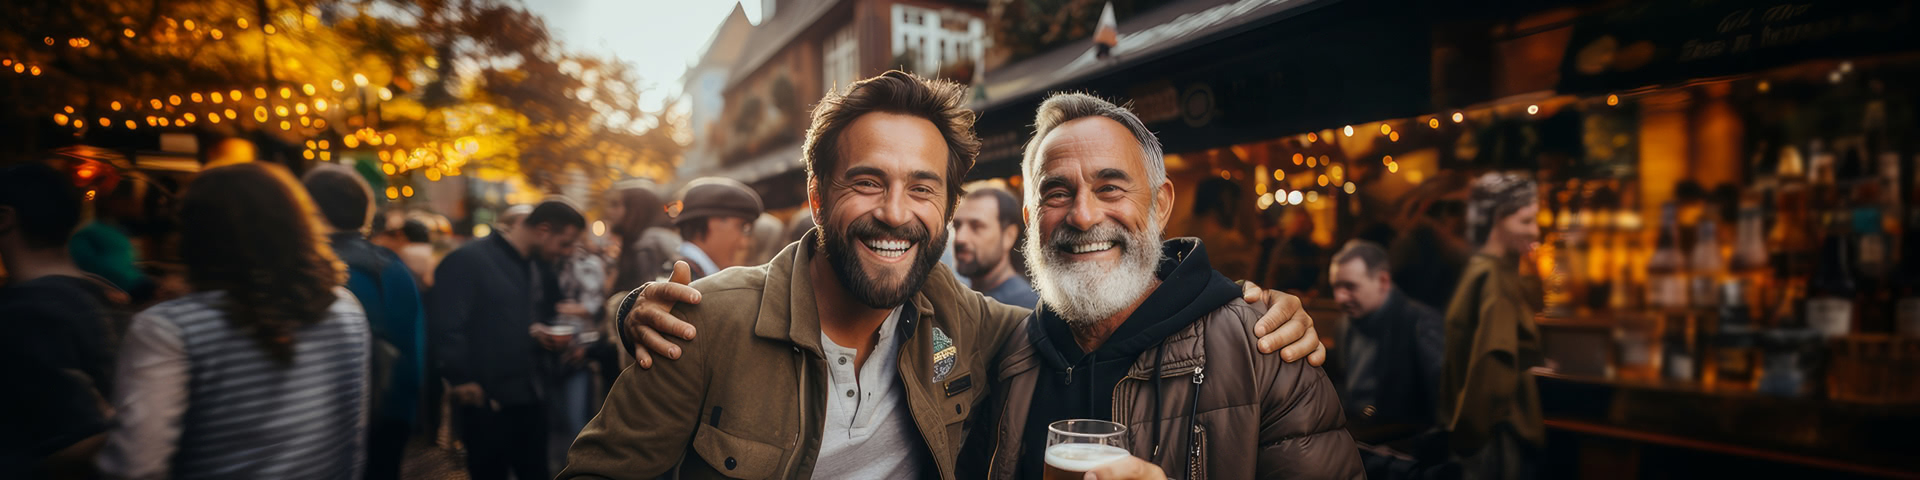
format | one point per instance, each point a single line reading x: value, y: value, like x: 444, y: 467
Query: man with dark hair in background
x: 385, y: 288
x: 59, y: 340
x: 986, y: 228
x: 1386, y: 364
x: 481, y: 315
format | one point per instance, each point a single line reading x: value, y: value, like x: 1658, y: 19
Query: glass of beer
x: 1076, y: 446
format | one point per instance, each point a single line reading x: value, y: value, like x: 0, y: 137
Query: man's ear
x: 813, y: 198
x: 1010, y: 235
x: 1163, y: 202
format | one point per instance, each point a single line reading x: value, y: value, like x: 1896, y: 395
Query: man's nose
x: 1083, y: 215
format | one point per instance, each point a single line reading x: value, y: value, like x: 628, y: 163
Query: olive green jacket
x: 1491, y: 343
x: 748, y: 399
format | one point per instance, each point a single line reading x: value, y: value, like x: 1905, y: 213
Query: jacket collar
x: 789, y: 311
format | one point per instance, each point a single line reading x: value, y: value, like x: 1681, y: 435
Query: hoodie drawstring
x: 1157, y: 364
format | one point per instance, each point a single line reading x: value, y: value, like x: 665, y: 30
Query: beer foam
x: 1081, y: 457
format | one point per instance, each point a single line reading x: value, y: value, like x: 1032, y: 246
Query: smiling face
x: 1094, y: 231
x: 884, y: 206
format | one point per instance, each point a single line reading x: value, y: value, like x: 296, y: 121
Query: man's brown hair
x: 939, y: 101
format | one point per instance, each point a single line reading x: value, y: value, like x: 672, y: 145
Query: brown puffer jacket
x: 1225, y: 411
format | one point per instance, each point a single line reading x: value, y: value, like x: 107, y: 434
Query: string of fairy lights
x: 1324, y: 172
x: 308, y: 109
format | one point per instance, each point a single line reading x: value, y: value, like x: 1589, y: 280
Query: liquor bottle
x: 1907, y: 309
x: 1679, y: 353
x: 1553, y: 258
x: 1666, y: 274
x: 1735, y: 356
x: 1706, y: 265
x: 1870, y: 265
x: 1599, y: 248
x: 1625, y: 294
x: 1830, y: 292
x: 1750, y: 257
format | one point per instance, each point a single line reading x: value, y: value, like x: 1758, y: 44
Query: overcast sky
x: 660, y: 38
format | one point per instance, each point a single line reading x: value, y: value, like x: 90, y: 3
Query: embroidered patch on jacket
x: 943, y: 353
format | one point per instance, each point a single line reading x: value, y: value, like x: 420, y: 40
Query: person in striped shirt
x: 262, y: 371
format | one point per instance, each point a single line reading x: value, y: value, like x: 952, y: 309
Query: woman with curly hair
x: 262, y: 371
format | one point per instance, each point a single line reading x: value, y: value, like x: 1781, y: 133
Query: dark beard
x: 980, y: 265
x: 866, y: 289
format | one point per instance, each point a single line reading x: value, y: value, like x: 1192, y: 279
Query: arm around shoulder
x: 648, y: 419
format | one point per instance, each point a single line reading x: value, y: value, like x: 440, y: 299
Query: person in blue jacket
x: 385, y: 288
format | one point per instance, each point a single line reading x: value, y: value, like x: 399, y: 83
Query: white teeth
x: 889, y: 248
x: 1089, y: 247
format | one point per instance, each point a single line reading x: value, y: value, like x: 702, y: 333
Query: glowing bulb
x: 306, y: 121
x: 1293, y: 197
x: 359, y: 79
x: 260, y: 93
x: 1433, y: 123
x: 216, y: 97
x: 230, y: 114
x: 280, y: 110
x: 286, y: 92
x: 195, y: 97
x: 166, y: 122
x: 1322, y: 180
x: 1279, y: 175
x: 1613, y: 100
x: 1393, y: 137
x: 300, y: 108
x: 1298, y: 159
x: 115, y: 106
x: 1384, y: 129
x: 386, y: 94
x: 213, y: 118
x: 1459, y: 117
x: 235, y: 95
x: 339, y: 86
x: 307, y: 89
x: 1350, y: 187
x: 1348, y: 130
x: 188, y: 116
x: 260, y: 114
x: 35, y: 70
x: 286, y: 125
x: 1533, y: 109
x: 173, y: 99
x: 1393, y: 167
x: 320, y: 104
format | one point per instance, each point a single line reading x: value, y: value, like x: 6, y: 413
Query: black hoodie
x: 1075, y: 384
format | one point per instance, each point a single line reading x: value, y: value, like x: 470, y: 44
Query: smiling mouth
x: 1088, y: 247
x: 888, y: 248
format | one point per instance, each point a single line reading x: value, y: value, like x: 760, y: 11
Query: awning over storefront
x: 1214, y: 73
x: 1166, y: 30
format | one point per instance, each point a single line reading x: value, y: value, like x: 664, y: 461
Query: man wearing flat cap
x: 716, y: 215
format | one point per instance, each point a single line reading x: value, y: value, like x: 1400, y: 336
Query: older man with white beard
x: 1141, y: 331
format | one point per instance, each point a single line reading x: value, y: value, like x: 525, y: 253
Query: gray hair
x: 1066, y: 107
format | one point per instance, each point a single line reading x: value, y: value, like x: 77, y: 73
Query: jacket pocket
x: 736, y: 457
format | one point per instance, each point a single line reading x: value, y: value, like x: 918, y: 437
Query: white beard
x: 1085, y: 292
